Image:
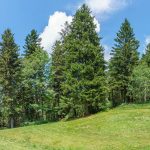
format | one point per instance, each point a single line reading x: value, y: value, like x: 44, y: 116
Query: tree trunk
x: 11, y: 122
x: 145, y: 93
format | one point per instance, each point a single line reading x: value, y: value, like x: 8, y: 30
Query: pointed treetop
x: 83, y: 26
x: 32, y: 42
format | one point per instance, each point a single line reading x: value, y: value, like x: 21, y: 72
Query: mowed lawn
x: 124, y: 128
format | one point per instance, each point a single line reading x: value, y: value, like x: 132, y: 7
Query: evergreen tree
x: 57, y: 76
x: 9, y: 77
x: 124, y: 59
x: 35, y: 75
x: 84, y: 73
x: 146, y: 57
x: 57, y: 68
x: 32, y: 42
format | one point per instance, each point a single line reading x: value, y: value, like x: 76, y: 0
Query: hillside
x: 124, y: 128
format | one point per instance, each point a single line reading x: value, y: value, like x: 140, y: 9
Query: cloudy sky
x: 48, y: 17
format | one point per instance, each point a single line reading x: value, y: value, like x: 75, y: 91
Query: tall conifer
x: 9, y: 76
x: 57, y: 69
x: 34, y: 74
x: 84, y: 72
x: 124, y: 59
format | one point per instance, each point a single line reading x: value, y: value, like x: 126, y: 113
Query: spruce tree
x: 9, y: 76
x: 84, y: 73
x: 124, y: 59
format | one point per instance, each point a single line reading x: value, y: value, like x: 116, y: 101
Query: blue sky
x: 47, y: 17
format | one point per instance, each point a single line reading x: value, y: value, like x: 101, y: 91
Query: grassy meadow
x: 124, y: 128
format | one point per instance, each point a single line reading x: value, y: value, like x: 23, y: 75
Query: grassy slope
x: 123, y: 128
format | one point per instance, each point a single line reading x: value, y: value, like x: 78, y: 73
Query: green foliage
x: 32, y: 42
x: 57, y: 76
x: 9, y: 77
x: 139, y: 87
x: 146, y: 56
x: 84, y: 71
x: 124, y: 59
x: 35, y: 74
x: 76, y: 83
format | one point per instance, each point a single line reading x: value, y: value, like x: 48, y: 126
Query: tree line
x: 75, y: 81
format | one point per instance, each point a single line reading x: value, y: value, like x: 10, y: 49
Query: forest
x: 75, y: 80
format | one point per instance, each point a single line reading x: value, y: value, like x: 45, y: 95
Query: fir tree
x: 9, y: 76
x: 84, y: 72
x: 32, y: 42
x: 124, y: 59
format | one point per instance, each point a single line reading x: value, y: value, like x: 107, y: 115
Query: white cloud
x: 55, y: 25
x: 147, y: 40
x: 107, y: 51
x: 97, y: 25
x: 102, y: 8
x: 51, y: 31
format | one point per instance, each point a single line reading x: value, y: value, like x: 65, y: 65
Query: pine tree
x: 9, y: 76
x: 84, y: 84
x: 124, y: 59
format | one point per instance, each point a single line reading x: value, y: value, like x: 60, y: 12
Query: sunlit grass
x: 124, y: 128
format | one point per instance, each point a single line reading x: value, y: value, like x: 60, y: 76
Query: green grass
x: 124, y: 128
